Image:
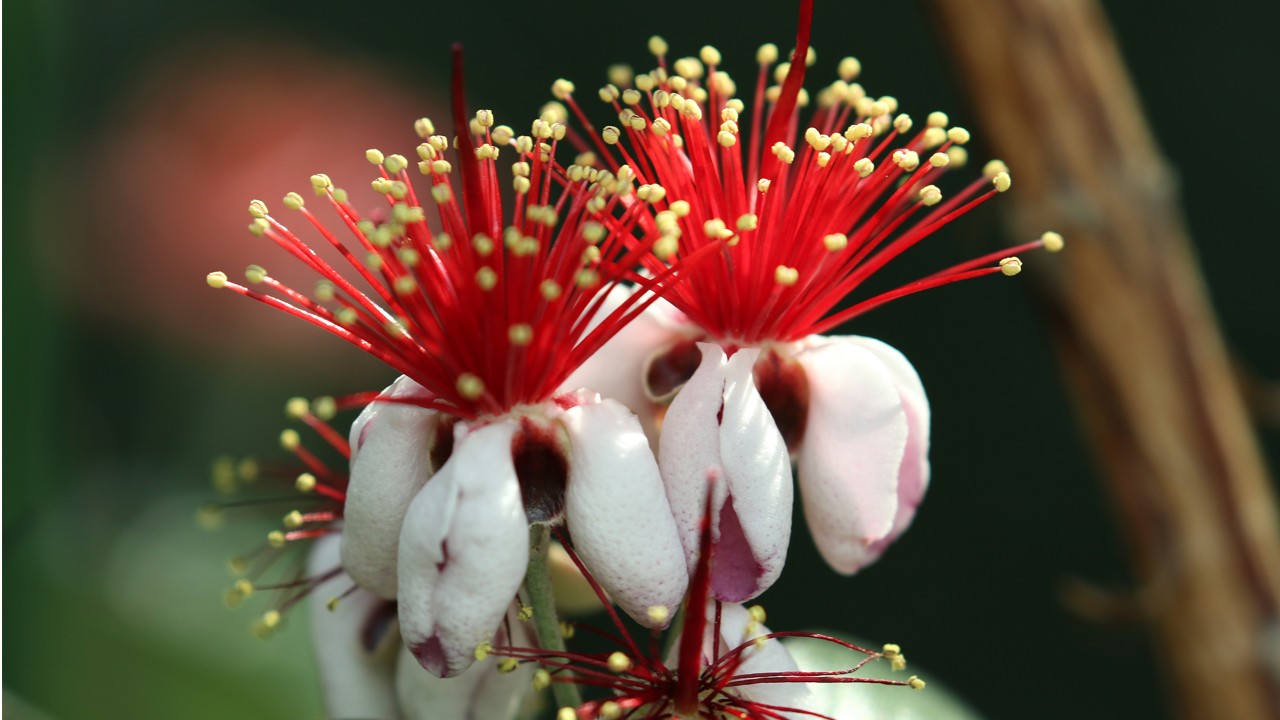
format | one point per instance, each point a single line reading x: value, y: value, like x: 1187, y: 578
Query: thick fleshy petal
x: 390, y: 462
x: 718, y: 424
x: 354, y: 642
x: 853, y: 448
x: 617, y: 510
x: 737, y: 628
x: 481, y: 692
x: 913, y: 475
x: 463, y: 551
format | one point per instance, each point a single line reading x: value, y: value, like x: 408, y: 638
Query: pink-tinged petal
x: 481, y: 692
x: 853, y: 447
x: 757, y: 470
x: 463, y: 551
x: 617, y: 511
x: 718, y: 424
x: 354, y: 642
x: 391, y: 461
x: 913, y: 475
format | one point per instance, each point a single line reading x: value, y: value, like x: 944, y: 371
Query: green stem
x: 537, y: 585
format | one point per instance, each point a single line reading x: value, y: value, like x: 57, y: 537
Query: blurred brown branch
x: 1138, y: 340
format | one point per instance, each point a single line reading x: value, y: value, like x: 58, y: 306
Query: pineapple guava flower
x: 485, y: 319
x: 799, y: 224
x: 724, y: 663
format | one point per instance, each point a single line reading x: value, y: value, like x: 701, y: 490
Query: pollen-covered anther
x: 786, y: 276
x: 508, y: 665
x: 857, y: 132
x: 610, y: 710
x: 541, y: 680
x: 651, y: 193
x: 958, y: 135
x: 994, y: 168
x: 939, y: 160
x: 293, y: 520
x: 276, y: 539
x: 469, y: 386
x: 658, y: 614
x: 902, y: 124
x: 619, y: 662
x: 610, y: 134
x: 441, y: 194
x: 1002, y: 182
x: 681, y: 208
x: 1052, y: 241
x: 550, y: 289
x: 757, y: 613
x: 747, y: 222
x: 395, y: 163
x: 306, y: 482
x: 424, y: 127
x: 767, y: 54
x: 915, y: 682
x: 907, y: 160
x: 483, y: 650
x: 930, y: 195
x: 1011, y: 266
x: 658, y: 46
x: 864, y: 167
x: 816, y: 139
x: 763, y: 185
x: 849, y: 69
x: 257, y: 209
x: 567, y: 713
x: 716, y: 230
x: 835, y: 242
x: 216, y: 280
x: 293, y: 201
x: 726, y: 139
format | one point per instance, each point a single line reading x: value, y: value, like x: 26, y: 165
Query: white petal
x: 618, y: 513
x: 690, y: 448
x: 463, y: 551
x: 354, y: 643
x: 757, y: 469
x: 913, y: 475
x: 616, y: 370
x: 737, y: 628
x: 479, y: 693
x: 391, y: 461
x: 853, y: 447
x: 719, y: 423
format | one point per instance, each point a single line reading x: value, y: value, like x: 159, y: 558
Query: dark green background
x: 111, y: 596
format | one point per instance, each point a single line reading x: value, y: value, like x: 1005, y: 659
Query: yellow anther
x: 658, y: 46
x: 653, y: 194
x: 763, y: 185
x: 1011, y: 266
x: 470, y: 386
x: 958, y: 135
x: 726, y: 139
x: 1052, y: 241
x: 908, y: 160
x: 611, y: 134
x: 567, y: 713
x: 658, y: 614
x: 238, y: 565
x: 542, y: 679
x: 864, y: 167
x: 243, y: 587
x: 902, y: 124
x: 346, y: 316
x: 424, y: 127
x: 890, y: 650
x: 216, y: 280
x: 270, y: 619
x: 666, y: 247
x: 395, y: 163
x: 483, y: 650
x: 587, y: 278
x: 526, y: 613
x: 520, y: 334
x: 915, y: 683
x: 508, y: 665
x: 374, y: 156
x: 1002, y: 181
x: 746, y: 222
x: 835, y: 242
x: 297, y: 408
x: 786, y: 276
x: 332, y: 603
x: 293, y: 520
x: 441, y: 194
x: 709, y: 55
x: 716, y: 230
x: 289, y: 439
x: 276, y: 539
x: 619, y: 662
x: 567, y: 630
x: 257, y: 209
x: 757, y: 613
x: 306, y: 482
x: 681, y: 208
x: 930, y: 195
x: 610, y: 710
x: 259, y: 226
x: 959, y: 156
x: 621, y: 74
x: 321, y: 183
x: 550, y: 289
x: 484, y: 118
x: 849, y: 69
x: 823, y: 159
x: 939, y: 160
x: 898, y: 663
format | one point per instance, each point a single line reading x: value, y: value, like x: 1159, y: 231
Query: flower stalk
x: 546, y: 623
